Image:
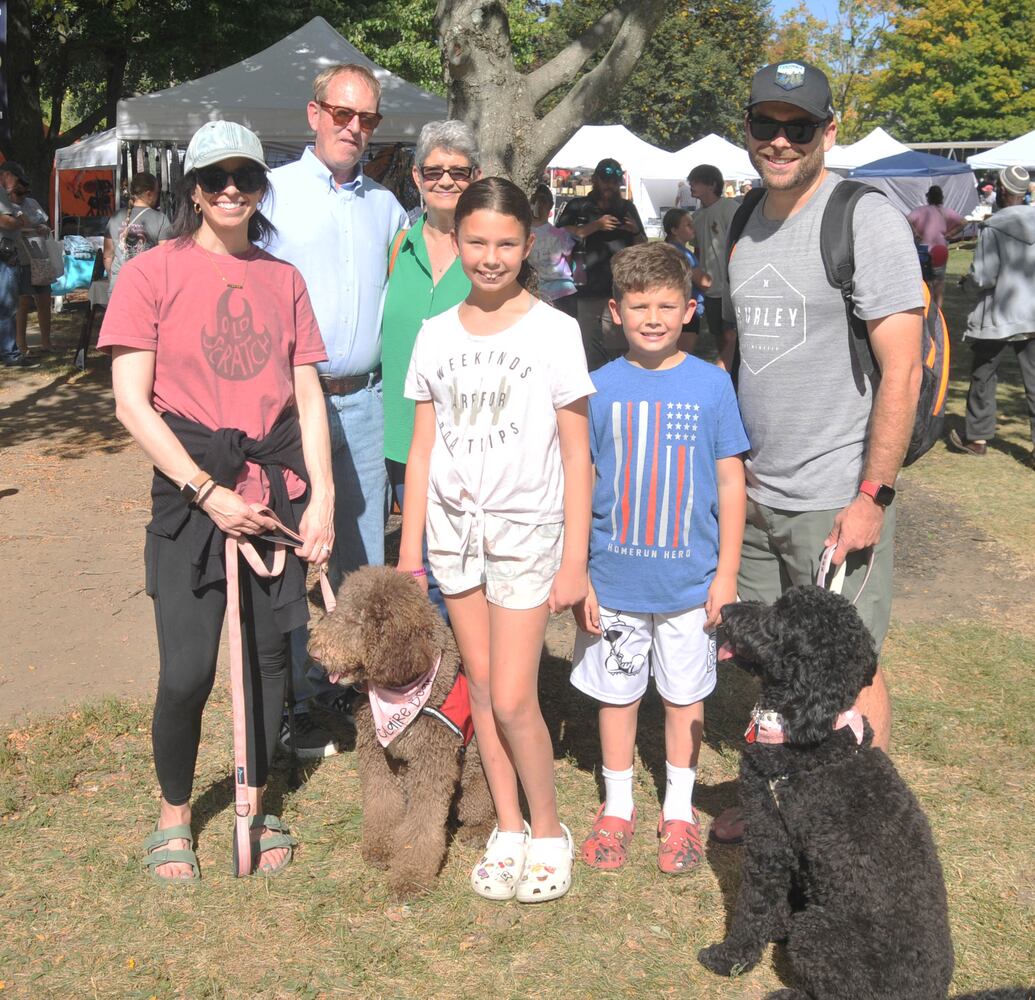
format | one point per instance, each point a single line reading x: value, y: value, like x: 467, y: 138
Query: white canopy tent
x: 640, y: 160
x: 731, y: 160
x: 269, y: 91
x: 1018, y: 152
x: 875, y: 146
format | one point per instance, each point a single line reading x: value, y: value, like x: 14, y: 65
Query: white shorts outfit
x: 614, y: 667
x: 515, y: 562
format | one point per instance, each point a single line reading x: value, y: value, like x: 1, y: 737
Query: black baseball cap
x: 795, y: 83
x: 608, y: 167
x: 10, y: 167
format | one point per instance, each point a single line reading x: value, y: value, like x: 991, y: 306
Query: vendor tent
x: 906, y: 177
x: 1018, y: 152
x: 640, y: 160
x: 732, y: 160
x: 875, y: 146
x: 269, y: 91
x: 95, y: 152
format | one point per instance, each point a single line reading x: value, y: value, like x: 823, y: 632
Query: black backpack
x: 838, y: 253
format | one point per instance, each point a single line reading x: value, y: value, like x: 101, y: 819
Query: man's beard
x: 806, y: 170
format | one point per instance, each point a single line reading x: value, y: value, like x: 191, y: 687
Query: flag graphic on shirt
x: 654, y: 473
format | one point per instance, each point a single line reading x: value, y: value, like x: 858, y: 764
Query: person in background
x: 684, y: 196
x: 37, y: 224
x: 425, y: 278
x: 712, y: 224
x: 214, y: 349
x: 336, y: 226
x: 605, y: 223
x: 136, y: 229
x: 12, y: 256
x: 933, y: 226
x: 679, y: 232
x: 550, y: 253
x: 745, y: 186
x: 1004, y: 314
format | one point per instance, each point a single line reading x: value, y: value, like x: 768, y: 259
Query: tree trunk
x: 499, y: 102
x: 26, y: 144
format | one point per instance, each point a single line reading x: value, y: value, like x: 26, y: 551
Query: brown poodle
x: 386, y: 633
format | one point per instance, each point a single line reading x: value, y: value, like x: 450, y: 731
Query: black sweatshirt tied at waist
x: 222, y: 454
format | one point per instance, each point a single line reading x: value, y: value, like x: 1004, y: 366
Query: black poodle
x: 839, y: 861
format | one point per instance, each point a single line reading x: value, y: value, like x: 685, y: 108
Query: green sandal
x: 153, y: 857
x: 277, y: 837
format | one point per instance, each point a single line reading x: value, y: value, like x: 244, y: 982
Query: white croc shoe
x: 497, y: 874
x: 547, y: 872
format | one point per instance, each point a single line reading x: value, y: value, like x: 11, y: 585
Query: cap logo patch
x: 790, y: 76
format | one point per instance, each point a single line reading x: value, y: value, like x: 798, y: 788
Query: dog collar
x: 767, y: 727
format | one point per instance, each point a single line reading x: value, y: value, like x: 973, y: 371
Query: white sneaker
x: 496, y: 874
x: 547, y: 872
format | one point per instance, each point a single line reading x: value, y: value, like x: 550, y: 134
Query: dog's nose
x: 314, y: 652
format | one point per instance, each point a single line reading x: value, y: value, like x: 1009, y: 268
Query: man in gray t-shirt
x: 824, y: 455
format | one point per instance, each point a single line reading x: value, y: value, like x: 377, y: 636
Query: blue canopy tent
x: 905, y: 178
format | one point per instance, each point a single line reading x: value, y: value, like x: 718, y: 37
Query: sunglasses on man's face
x: 609, y: 172
x: 368, y: 120
x: 247, y: 179
x: 457, y: 174
x: 765, y: 129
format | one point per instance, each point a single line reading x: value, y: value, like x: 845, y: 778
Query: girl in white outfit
x: 499, y: 476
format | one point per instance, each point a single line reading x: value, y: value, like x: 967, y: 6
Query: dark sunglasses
x: 457, y: 174
x: 765, y: 129
x: 368, y: 120
x: 247, y: 179
x: 609, y: 172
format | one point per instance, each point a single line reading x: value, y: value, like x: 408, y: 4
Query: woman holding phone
x: 214, y: 349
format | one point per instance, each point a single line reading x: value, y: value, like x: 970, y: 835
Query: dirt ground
x: 77, y: 627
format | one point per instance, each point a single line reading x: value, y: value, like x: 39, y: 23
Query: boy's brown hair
x: 650, y: 265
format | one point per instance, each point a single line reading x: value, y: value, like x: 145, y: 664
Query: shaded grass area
x: 81, y: 920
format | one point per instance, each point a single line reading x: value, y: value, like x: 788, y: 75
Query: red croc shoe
x: 679, y: 844
x: 606, y: 846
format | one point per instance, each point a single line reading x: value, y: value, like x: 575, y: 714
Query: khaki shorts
x: 782, y: 548
x: 514, y: 562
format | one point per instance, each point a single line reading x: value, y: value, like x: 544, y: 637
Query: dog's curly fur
x: 386, y: 631
x: 839, y: 859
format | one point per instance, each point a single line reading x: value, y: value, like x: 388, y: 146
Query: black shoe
x: 311, y: 741
x: 957, y: 443
x: 22, y: 361
x: 340, y: 706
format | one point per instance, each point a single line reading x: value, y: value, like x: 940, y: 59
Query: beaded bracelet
x: 413, y: 572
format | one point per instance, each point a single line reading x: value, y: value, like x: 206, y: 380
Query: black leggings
x: 189, y: 625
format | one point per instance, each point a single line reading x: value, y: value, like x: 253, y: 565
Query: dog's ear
x: 827, y: 656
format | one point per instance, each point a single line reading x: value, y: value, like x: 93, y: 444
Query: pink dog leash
x: 838, y: 580
x: 245, y: 798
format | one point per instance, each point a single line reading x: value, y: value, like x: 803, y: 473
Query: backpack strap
x: 736, y: 230
x: 394, y: 251
x: 837, y: 248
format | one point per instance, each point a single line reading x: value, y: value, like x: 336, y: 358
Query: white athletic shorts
x: 515, y: 562
x: 614, y: 667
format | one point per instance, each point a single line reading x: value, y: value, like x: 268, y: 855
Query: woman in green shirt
x: 425, y: 278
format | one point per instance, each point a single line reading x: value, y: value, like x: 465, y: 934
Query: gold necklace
x: 229, y: 284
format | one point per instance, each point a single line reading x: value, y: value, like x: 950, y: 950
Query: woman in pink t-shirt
x: 934, y: 225
x: 214, y: 349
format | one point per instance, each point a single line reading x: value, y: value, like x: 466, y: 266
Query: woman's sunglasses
x: 368, y: 120
x: 456, y: 174
x: 765, y: 129
x: 247, y: 179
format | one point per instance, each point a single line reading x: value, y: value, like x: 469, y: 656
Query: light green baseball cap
x: 222, y: 140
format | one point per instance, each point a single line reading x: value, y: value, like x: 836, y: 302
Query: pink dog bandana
x: 395, y: 708
x: 767, y: 727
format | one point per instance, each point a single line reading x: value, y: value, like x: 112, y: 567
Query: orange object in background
x: 86, y: 193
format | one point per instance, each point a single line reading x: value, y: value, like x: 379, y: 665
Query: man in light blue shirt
x: 335, y: 225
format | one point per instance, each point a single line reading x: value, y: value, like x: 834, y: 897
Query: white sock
x: 679, y: 792
x: 618, y: 791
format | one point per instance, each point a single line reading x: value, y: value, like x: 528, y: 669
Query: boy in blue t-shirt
x: 668, y: 520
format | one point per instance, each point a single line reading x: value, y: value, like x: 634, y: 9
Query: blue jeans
x: 360, y: 510
x: 397, y: 477
x: 8, y: 312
